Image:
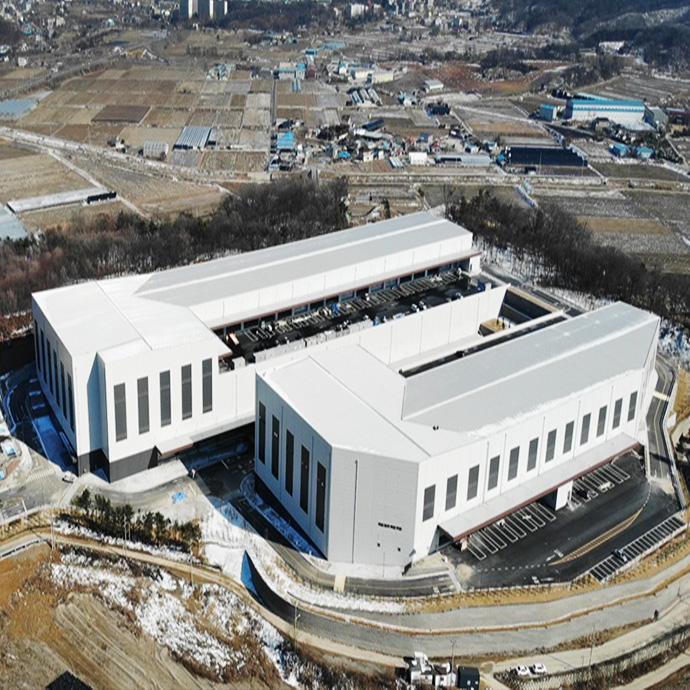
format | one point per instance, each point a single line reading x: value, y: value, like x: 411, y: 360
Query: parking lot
x: 638, y: 548
x: 528, y: 520
x: 612, y: 508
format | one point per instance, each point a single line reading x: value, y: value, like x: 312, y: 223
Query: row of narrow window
x: 59, y: 384
x: 120, y: 398
x: 532, y: 454
x: 305, y: 466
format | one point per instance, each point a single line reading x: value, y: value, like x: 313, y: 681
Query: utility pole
x: 296, y: 617
x: 52, y: 537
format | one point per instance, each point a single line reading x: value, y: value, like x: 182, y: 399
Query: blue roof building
x: 620, y: 150
x: 548, y: 112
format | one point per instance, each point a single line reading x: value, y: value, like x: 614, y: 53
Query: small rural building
x: 468, y: 678
x: 548, y: 112
x: 620, y: 150
x: 156, y: 150
x: 431, y: 85
x: 418, y: 157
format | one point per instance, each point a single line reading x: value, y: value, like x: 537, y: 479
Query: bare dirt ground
x: 28, y: 176
x: 43, y: 633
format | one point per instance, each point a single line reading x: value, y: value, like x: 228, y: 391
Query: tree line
x: 259, y: 216
x: 100, y: 515
x: 567, y: 256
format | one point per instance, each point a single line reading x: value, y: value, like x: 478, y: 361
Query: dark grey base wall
x: 90, y: 462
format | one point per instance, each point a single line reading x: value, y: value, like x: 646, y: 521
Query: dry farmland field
x: 652, y: 224
x: 638, y: 171
x: 35, y: 175
x: 153, y: 103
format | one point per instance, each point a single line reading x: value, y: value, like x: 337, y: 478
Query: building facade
x: 381, y: 466
x: 148, y: 365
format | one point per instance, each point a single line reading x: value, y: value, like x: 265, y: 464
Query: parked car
x: 618, y: 553
x: 68, y: 477
x: 520, y: 670
x: 539, y: 669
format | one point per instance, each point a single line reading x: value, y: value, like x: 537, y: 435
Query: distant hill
x: 659, y: 28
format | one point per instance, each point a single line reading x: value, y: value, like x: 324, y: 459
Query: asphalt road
x: 659, y: 451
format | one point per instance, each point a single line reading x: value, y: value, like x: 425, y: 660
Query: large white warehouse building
x: 139, y: 367
x: 379, y: 466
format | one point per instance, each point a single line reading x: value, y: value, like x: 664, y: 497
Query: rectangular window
x: 550, y: 446
x: 304, y: 482
x: 46, y: 361
x: 275, y: 448
x: 429, y: 497
x: 120, y: 412
x: 494, y: 468
x: 53, y: 382
x: 632, y: 406
x: 207, y: 385
x: 513, y: 463
x: 568, y: 441
x: 289, y: 460
x: 186, y: 391
x: 262, y: 432
x: 532, y: 455
x: 70, y: 392
x: 166, y: 415
x: 143, y: 401
x: 473, y: 483
x: 601, y: 422
x: 617, y: 409
x: 451, y: 492
x: 39, y: 348
x: 584, y: 434
x: 63, y: 389
x: 320, y: 495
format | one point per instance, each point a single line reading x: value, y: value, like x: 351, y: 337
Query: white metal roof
x: 458, y: 402
x: 49, y: 200
x: 10, y: 226
x: 182, y: 305
x: 469, y: 395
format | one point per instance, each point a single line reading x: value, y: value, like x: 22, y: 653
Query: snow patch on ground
x: 163, y: 612
x: 164, y: 617
x: 284, y: 527
x: 674, y: 342
x: 227, y: 536
x: 112, y: 587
